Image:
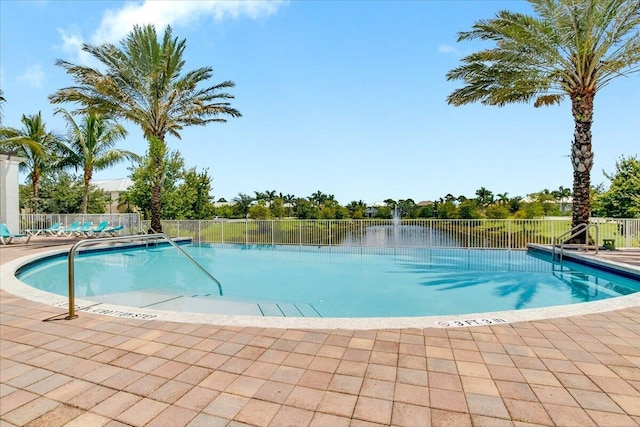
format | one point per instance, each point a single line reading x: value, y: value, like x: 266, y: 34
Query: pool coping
x: 11, y: 284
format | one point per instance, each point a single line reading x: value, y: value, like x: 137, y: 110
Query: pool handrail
x: 560, y: 241
x: 145, y: 237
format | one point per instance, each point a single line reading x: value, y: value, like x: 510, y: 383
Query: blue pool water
x: 335, y: 282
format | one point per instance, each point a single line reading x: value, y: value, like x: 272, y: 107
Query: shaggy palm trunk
x: 156, y: 196
x: 582, y: 161
x: 85, y: 191
x: 35, y: 178
x: 157, y: 149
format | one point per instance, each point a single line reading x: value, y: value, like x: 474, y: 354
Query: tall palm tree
x: 90, y: 146
x: 570, y: 49
x: 144, y: 83
x: 37, y: 145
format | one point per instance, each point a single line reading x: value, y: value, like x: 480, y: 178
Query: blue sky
x: 348, y: 98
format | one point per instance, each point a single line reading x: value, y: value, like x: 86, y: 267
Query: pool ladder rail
x: 560, y: 243
x: 145, y: 238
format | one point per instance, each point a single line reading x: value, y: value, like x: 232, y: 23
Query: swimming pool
x: 328, y: 282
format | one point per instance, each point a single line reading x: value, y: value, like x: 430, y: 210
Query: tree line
x: 89, y: 146
x: 186, y: 195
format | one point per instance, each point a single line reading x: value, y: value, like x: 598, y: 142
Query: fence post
x: 246, y: 231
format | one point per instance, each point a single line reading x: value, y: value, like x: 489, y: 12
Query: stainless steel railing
x: 144, y: 237
x: 560, y: 241
x: 425, y: 233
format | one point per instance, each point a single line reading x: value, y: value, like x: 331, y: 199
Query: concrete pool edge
x: 9, y: 283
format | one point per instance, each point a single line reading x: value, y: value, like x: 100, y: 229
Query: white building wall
x: 9, y: 203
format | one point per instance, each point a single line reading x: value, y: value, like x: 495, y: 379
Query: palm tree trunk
x: 582, y: 161
x: 85, y: 191
x: 35, y: 178
x: 157, y: 150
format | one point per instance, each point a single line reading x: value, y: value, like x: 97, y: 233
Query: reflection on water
x: 396, y: 235
x: 342, y: 281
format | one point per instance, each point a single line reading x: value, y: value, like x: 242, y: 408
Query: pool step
x: 287, y: 309
x: 209, y: 303
x: 269, y: 308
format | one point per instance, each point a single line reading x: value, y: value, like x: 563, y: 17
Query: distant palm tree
x: 37, y: 145
x: 561, y: 195
x: 485, y: 196
x: 570, y: 49
x: 503, y: 198
x: 270, y: 195
x: 125, y: 201
x: 242, y: 203
x: 319, y: 197
x: 89, y: 146
x: 290, y: 200
x: 143, y: 82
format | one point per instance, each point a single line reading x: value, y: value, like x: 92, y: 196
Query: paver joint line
x: 581, y: 370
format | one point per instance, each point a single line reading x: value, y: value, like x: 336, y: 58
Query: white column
x: 9, y: 206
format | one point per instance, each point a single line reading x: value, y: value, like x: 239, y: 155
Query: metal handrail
x: 145, y: 237
x: 580, y: 228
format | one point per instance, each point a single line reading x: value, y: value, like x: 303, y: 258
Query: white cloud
x: 72, y: 45
x: 116, y: 24
x: 33, y: 76
x: 448, y: 49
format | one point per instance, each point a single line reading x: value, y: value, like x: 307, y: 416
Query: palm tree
x: 561, y: 195
x: 260, y: 196
x: 242, y: 204
x: 125, y: 201
x: 270, y: 195
x: 319, y: 198
x: 143, y: 82
x: 37, y: 145
x: 290, y: 201
x: 485, y: 196
x: 570, y: 49
x: 503, y: 198
x: 90, y: 145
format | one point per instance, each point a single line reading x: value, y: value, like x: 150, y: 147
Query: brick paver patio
x: 101, y: 370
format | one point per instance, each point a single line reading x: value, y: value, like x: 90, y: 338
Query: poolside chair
x: 6, y: 236
x: 71, y: 230
x: 84, y: 228
x: 49, y: 231
x: 95, y: 232
x: 111, y: 231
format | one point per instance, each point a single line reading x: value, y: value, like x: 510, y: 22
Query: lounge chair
x: 49, y: 231
x: 6, y: 236
x: 95, y: 232
x: 87, y: 226
x: 111, y: 231
x: 71, y: 230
